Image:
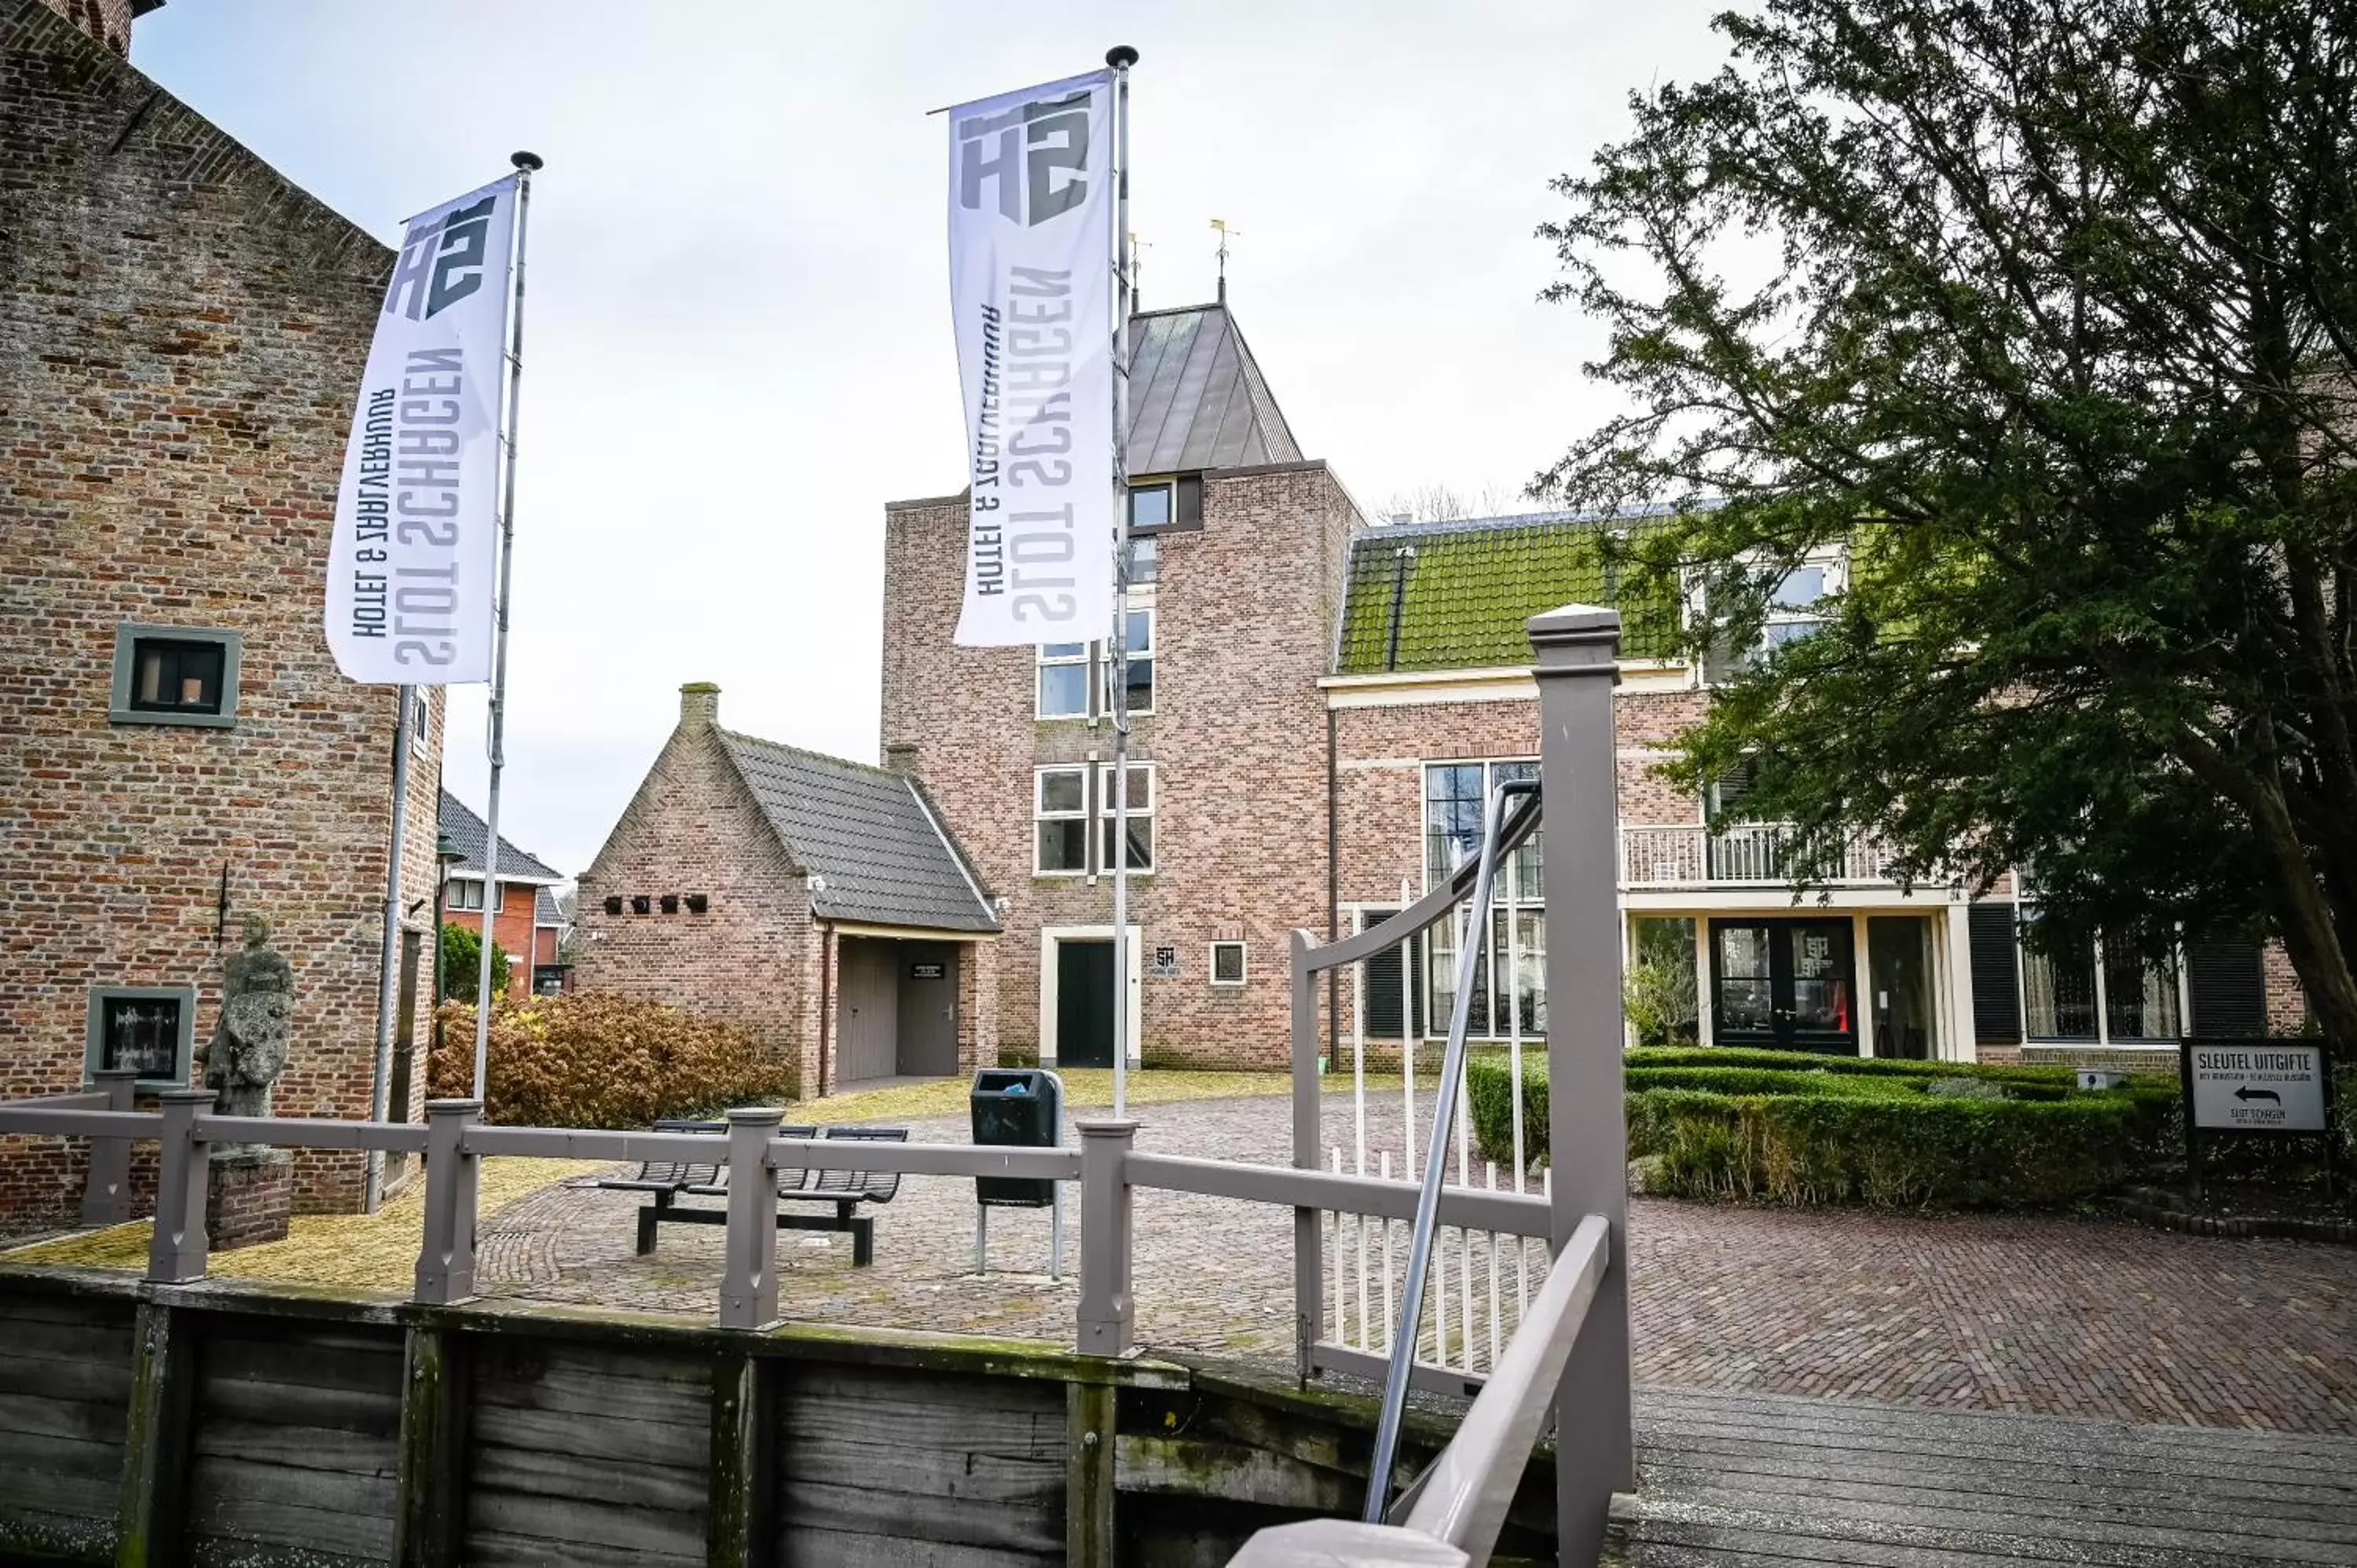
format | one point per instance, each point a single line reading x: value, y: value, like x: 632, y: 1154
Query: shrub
x: 1716, y: 1123
x: 592, y: 1059
x: 462, y: 959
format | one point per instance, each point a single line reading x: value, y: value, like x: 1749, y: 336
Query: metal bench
x: 668, y: 1181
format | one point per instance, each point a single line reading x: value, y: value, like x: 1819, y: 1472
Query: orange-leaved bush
x: 593, y: 1058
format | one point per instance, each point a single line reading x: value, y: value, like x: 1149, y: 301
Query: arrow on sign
x: 2248, y: 1092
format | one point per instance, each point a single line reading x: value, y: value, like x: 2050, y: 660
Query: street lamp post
x: 447, y: 853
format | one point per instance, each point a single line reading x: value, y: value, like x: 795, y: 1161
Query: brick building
x: 181, y: 333
x: 1327, y: 701
x: 818, y: 903
x: 1237, y: 580
x: 529, y: 925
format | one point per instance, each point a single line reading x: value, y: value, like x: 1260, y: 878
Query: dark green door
x: 1083, y: 1003
x: 1786, y: 986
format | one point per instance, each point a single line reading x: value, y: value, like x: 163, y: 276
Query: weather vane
x: 1226, y: 234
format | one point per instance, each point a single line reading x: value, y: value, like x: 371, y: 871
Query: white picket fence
x: 1481, y: 1281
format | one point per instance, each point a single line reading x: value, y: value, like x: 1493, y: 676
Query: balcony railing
x: 1747, y: 854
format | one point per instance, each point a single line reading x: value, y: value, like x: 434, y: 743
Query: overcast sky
x: 738, y: 346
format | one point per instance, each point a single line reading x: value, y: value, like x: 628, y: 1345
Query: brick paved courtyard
x: 2081, y: 1318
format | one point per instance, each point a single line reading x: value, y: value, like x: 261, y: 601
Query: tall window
x: 1455, y: 797
x: 1060, y: 809
x: 1072, y: 820
x: 1137, y: 817
x: 1140, y: 649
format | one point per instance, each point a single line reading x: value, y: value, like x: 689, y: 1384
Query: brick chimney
x: 108, y: 21
x: 699, y: 705
x: 901, y: 757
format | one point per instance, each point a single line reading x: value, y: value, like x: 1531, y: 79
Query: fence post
x: 1107, y: 1312
x: 446, y: 1260
x: 1308, y: 1282
x: 1578, y: 650
x: 748, y: 1282
x: 106, y: 1196
x: 176, y: 1254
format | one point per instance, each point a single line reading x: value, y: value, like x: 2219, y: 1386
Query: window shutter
x: 1187, y: 509
x: 1997, y: 975
x: 1384, y: 984
x: 2228, y: 992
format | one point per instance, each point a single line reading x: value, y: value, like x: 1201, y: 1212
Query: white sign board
x: 2258, y: 1088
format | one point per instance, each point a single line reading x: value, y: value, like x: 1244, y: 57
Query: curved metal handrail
x: 1520, y: 823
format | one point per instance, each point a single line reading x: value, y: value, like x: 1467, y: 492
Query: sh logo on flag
x: 1037, y: 154
x: 442, y: 265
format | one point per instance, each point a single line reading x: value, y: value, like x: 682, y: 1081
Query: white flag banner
x: 1032, y: 198
x: 410, y: 584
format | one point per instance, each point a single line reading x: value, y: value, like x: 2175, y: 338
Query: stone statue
x: 249, y: 1046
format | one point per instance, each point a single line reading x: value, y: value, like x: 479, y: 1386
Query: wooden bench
x: 845, y: 1191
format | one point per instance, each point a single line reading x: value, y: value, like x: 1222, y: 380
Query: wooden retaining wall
x: 224, y: 1426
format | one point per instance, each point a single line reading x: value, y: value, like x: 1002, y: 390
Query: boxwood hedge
x: 1719, y: 1123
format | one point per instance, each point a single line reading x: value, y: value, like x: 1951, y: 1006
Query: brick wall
x: 2286, y: 1003
x: 181, y: 332
x: 693, y: 827
x: 1238, y: 734
x: 108, y: 22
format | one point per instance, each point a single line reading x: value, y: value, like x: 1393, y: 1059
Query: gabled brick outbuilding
x: 820, y: 904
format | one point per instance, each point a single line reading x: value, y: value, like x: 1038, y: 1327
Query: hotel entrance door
x: 1785, y: 984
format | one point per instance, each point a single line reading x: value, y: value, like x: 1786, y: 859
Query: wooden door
x: 869, y: 1014
x: 928, y: 1026
x: 1084, y: 993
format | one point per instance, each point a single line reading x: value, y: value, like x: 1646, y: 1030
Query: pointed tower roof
x: 1197, y: 399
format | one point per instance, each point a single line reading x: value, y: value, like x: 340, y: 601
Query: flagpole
x: 380, y: 1075
x: 525, y: 164
x: 1121, y: 57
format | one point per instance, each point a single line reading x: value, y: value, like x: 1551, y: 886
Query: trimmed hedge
x: 594, y: 1058
x: 1717, y: 1122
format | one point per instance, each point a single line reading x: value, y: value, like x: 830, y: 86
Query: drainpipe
x: 825, y: 998
x: 1401, y: 557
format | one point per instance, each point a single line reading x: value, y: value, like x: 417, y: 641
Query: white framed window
x: 1139, y: 817
x: 1455, y: 797
x: 1060, y: 814
x: 1144, y: 562
x: 1139, y: 630
x: 1797, y: 607
x: 421, y: 721
x: 1227, y: 963
x: 1063, y: 680
x: 465, y: 894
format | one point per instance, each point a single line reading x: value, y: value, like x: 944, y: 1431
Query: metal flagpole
x: 525, y: 163
x: 1121, y: 57
x: 381, y: 1077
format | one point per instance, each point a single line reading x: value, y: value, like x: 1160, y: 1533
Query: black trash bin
x: 1023, y: 1107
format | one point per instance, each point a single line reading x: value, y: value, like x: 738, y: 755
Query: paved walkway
x: 2093, y: 1318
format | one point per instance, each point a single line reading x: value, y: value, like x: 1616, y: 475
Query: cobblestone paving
x: 2095, y: 1318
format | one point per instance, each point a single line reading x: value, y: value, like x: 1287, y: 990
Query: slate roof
x: 1197, y: 399
x: 1471, y: 585
x: 544, y: 911
x: 471, y: 834
x: 868, y: 834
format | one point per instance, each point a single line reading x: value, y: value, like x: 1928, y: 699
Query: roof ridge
x: 804, y: 751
